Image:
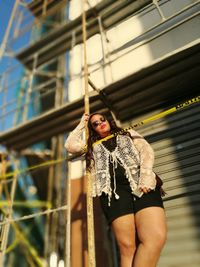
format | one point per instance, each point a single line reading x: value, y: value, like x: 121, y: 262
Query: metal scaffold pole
x: 48, y: 218
x: 68, y: 220
x: 10, y: 198
x: 90, y: 216
x: 5, y: 39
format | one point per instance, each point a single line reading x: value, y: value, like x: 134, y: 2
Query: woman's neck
x: 105, y: 134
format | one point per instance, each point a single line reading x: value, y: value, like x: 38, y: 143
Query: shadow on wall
x: 79, y: 229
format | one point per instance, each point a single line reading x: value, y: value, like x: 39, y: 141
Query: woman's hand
x: 147, y: 181
x: 86, y: 117
x: 145, y: 190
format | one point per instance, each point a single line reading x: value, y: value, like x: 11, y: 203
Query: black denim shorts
x: 128, y: 203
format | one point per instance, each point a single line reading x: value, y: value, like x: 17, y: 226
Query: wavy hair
x: 93, y: 136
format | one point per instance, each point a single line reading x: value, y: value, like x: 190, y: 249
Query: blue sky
x: 5, y: 12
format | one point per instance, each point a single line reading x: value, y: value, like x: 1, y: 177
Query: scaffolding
x: 39, y: 50
x: 33, y: 92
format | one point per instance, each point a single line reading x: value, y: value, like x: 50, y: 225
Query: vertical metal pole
x: 68, y: 195
x: 18, y: 24
x: 19, y: 101
x: 68, y: 220
x: 5, y: 91
x: 30, y: 88
x: 8, y: 216
x: 103, y: 39
x: 53, y: 218
x: 2, y: 171
x: 57, y: 147
x: 90, y: 215
x: 56, y: 199
x: 102, y: 49
x: 59, y: 192
x: 44, y: 8
x: 2, y: 217
x: 48, y: 216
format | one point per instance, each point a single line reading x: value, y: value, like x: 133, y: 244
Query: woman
x: 121, y: 169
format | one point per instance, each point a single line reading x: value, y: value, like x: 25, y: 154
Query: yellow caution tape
x: 31, y: 168
x: 27, y: 204
x: 31, y: 249
x: 16, y: 241
x: 155, y: 117
x: 13, y: 245
x: 26, y: 242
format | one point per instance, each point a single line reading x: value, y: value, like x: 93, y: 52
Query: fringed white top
x: 133, y: 153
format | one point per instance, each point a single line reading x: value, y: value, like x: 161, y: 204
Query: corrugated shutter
x: 176, y: 141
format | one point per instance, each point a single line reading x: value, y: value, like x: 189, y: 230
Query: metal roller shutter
x: 176, y: 141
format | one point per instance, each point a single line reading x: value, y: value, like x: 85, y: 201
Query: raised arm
x: 75, y: 142
x: 147, y: 176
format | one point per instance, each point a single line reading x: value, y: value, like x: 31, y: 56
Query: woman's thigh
x: 151, y: 225
x: 124, y: 229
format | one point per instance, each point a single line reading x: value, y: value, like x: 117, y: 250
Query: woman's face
x: 100, y: 125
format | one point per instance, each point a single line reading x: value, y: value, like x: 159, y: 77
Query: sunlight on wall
x: 98, y: 78
x: 76, y: 7
x: 131, y: 62
x: 101, y: 71
x: 124, y: 32
x: 75, y: 84
x: 77, y: 169
x: 94, y: 49
x: 76, y: 59
x: 74, y: 89
x: 130, y: 45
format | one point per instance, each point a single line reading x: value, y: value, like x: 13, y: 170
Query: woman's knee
x: 151, y: 226
x: 127, y: 246
x: 156, y: 241
x: 160, y: 238
x: 124, y: 230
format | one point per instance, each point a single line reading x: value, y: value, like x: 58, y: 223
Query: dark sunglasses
x: 95, y: 124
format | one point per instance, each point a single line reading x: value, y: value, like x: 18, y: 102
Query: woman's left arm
x: 147, y: 176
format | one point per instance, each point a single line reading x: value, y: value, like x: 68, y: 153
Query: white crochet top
x: 134, y: 154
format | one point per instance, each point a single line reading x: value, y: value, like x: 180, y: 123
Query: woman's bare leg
x: 151, y: 229
x: 124, y: 230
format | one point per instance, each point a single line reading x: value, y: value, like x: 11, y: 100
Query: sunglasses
x: 95, y: 124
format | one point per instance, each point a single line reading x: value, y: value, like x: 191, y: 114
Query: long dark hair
x: 93, y: 136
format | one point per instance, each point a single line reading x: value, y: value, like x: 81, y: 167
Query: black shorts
x: 128, y: 203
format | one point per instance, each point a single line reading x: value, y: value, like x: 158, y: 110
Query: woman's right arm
x: 75, y: 143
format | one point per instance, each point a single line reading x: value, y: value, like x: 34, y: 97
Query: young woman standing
x: 123, y: 179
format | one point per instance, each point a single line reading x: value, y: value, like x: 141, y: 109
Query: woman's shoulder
x: 134, y: 133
